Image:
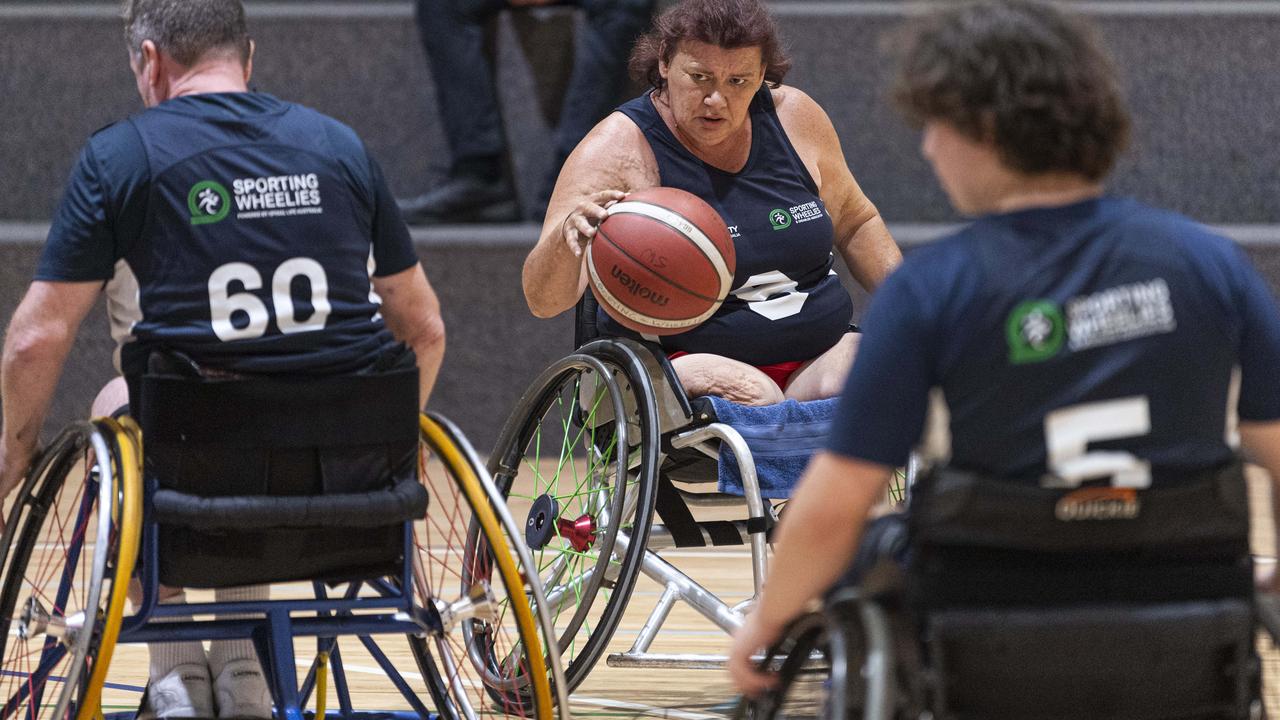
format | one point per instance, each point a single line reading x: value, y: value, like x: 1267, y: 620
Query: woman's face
x: 709, y: 89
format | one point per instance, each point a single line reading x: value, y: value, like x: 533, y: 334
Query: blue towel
x: 781, y: 437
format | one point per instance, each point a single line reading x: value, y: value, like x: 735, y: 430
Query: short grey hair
x: 187, y: 29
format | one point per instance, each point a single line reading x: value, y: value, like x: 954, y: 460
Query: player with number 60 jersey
x: 243, y: 231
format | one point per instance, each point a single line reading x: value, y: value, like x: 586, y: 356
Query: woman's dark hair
x: 729, y: 24
x: 1022, y: 75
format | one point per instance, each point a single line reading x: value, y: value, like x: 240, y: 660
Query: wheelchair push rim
x: 577, y: 413
x: 66, y: 574
x: 489, y: 659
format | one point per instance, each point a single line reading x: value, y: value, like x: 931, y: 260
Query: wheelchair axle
x: 477, y: 605
x: 35, y: 621
x: 539, y: 529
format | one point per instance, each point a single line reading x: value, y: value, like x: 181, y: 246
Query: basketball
x: 662, y: 262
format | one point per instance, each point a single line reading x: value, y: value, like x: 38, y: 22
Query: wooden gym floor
x: 631, y: 692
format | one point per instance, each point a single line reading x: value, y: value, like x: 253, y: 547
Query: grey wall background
x: 1203, y: 78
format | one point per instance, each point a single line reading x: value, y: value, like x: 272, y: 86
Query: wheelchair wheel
x: 810, y: 662
x: 69, y: 553
x: 577, y: 462
x: 489, y: 660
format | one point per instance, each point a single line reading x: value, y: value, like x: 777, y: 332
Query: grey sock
x: 167, y: 656
x: 222, y: 652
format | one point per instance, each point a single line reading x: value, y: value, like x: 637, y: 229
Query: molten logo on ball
x: 636, y: 288
x: 662, y: 262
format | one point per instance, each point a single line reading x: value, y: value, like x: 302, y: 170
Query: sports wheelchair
x: 1001, y: 601
x: 376, y: 529
x: 601, y: 440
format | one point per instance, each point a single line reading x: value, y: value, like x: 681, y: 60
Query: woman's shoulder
x: 800, y: 114
x: 615, y: 150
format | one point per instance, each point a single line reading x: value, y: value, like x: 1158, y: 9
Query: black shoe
x: 463, y: 199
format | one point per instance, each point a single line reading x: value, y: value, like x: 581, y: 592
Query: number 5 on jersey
x: 224, y: 304
x: 1069, y: 430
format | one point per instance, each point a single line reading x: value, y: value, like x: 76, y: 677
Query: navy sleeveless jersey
x: 236, y: 228
x: 1100, y: 339
x: 787, y: 303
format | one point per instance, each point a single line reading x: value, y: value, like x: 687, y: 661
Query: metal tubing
x: 394, y: 676
x: 879, y: 667
x: 340, y: 682
x: 668, y: 661
x: 302, y: 627
x: 750, y: 487
x: 698, y: 597
x: 656, y: 618
x: 263, y: 607
x: 284, y: 671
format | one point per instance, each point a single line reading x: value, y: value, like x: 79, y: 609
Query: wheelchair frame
x: 272, y: 628
x: 674, y: 426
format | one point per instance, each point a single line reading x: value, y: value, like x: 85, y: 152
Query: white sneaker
x: 183, y: 693
x: 242, y: 691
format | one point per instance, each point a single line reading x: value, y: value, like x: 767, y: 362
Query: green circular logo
x: 208, y: 202
x: 780, y: 219
x: 1035, y: 330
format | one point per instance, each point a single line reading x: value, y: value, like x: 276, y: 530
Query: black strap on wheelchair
x: 333, y: 411
x: 765, y: 524
x: 722, y: 532
x: 404, y: 501
x: 676, y: 516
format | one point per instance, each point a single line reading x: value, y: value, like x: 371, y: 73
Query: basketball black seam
x: 696, y: 246
x: 665, y: 279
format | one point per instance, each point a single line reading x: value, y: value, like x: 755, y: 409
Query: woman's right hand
x: 580, y: 225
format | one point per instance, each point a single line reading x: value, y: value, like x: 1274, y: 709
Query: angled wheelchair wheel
x: 832, y: 664
x: 489, y: 661
x: 577, y: 463
x: 804, y: 661
x: 69, y: 554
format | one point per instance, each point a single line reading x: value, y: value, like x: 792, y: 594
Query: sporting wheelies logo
x: 208, y: 202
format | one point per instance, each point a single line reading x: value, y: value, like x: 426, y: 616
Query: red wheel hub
x: 580, y: 533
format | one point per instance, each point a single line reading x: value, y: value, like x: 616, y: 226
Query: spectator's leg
x: 453, y: 37
x: 599, y: 80
x: 453, y: 34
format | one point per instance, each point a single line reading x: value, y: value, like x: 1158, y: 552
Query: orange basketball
x: 662, y: 262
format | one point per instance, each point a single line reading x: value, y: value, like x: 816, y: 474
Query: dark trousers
x: 453, y: 36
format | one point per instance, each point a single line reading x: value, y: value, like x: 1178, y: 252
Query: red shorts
x: 780, y: 373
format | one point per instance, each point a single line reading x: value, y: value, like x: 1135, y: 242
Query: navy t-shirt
x: 236, y: 228
x: 787, y: 303
x: 1100, y: 339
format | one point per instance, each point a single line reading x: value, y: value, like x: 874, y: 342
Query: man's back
x: 241, y: 230
x: 1094, y: 339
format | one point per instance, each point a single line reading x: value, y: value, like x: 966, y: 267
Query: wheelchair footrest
x: 379, y: 508
x: 668, y: 660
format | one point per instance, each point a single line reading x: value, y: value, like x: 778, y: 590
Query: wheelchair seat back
x: 1085, y: 603
x: 276, y: 479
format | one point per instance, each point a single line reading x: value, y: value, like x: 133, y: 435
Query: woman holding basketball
x: 719, y: 124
